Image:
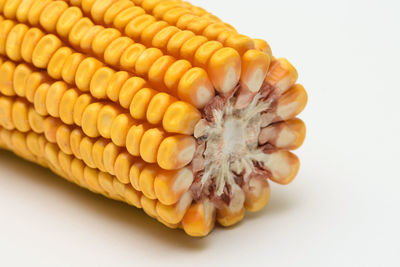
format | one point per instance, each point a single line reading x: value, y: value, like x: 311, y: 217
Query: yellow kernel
x: 172, y: 16
x: 190, y: 47
x: 255, y: 66
x: 67, y: 20
x: 99, y: 8
x: 224, y: 68
x: 157, y: 72
x: 23, y: 10
x: 129, y: 89
x: 169, y: 186
x: 149, y: 206
x: 136, y: 26
x: 80, y: 106
x: 198, y: 25
x: 14, y: 42
x: 36, y: 121
x: 31, y: 39
x: 195, y: 88
x: 18, y: 140
x: 103, y: 39
x: 35, y: 11
x: 146, y: 181
x: 140, y: 102
x: 158, y: 106
x: 21, y: 76
x: 71, y: 66
x: 7, y: 70
x: 50, y: 128
x: 176, y: 41
x: 134, y: 138
x: 123, y: 18
x: 5, y: 27
x: 133, y: 197
x: 119, y: 129
x: 57, y: 61
x: 100, y: 81
x: 67, y: 104
x: 115, y: 85
x: 85, y: 72
x: 97, y: 153
x: 89, y: 119
x: 50, y: 15
x: 174, y: 74
x: 77, y: 167
x: 122, y: 167
x: 240, y: 43
x: 181, y: 117
x: 10, y: 8
x: 79, y: 30
x: 54, y: 96
x: 134, y: 173
x: 150, y: 143
x: 281, y: 75
x: 39, y: 99
x: 111, y: 152
x: 85, y: 147
x: 149, y: 5
x: 130, y: 55
x: 105, y: 119
x: 263, y: 46
x: 75, y: 139
x: 213, y: 30
x: 184, y: 20
x: 119, y: 188
x: 175, y: 152
x: 146, y: 60
x: 32, y: 83
x: 204, y: 53
x: 106, y: 183
x: 114, y: 51
x: 91, y: 176
x: 63, y: 135
x: 20, y: 116
x: 87, y: 40
x: 160, y: 9
x: 150, y: 31
x: 116, y: 8
x: 86, y: 5
x: 6, y: 138
x: 32, y: 142
x: 44, y: 50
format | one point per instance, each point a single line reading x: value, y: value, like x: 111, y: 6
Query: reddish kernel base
x: 155, y: 103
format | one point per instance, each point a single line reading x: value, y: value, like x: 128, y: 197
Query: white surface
x: 343, y: 209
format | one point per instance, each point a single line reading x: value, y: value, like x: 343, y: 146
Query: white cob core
x: 232, y: 143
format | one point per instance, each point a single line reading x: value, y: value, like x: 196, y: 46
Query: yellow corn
x: 156, y: 103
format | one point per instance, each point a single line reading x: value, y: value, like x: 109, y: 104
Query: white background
x: 342, y: 210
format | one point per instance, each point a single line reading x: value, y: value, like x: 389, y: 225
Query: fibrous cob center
x: 229, y: 138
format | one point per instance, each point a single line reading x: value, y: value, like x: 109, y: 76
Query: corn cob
x: 156, y: 103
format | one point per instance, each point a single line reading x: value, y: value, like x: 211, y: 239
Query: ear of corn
x: 156, y: 103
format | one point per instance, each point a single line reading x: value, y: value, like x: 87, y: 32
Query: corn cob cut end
x: 244, y: 141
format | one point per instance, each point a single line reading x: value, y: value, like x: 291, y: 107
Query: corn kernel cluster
x: 121, y: 97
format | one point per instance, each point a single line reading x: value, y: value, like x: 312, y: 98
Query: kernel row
x: 175, y: 76
x: 157, y: 108
x: 155, y: 183
x: 153, y: 145
x: 34, y: 147
x: 222, y: 63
